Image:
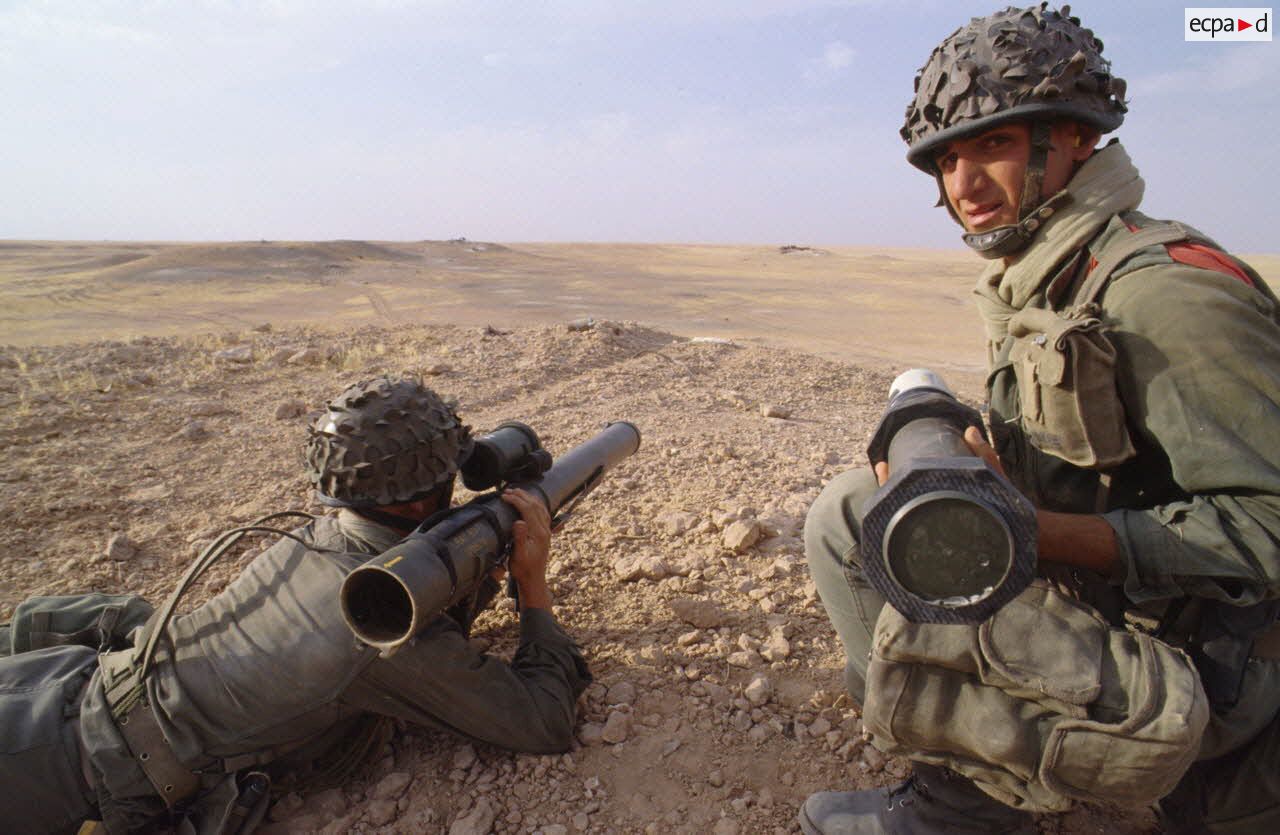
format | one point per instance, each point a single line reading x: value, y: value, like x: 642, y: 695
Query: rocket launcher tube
x: 392, y: 597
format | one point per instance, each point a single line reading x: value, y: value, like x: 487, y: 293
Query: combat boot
x: 932, y: 801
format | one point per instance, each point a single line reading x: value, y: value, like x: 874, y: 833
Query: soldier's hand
x: 978, y: 446
x: 530, y: 548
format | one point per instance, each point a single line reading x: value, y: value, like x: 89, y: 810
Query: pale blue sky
x: 753, y: 121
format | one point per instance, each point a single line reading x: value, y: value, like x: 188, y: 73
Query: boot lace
x: 903, y: 794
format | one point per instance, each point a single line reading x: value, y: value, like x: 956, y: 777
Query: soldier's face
x: 983, y: 175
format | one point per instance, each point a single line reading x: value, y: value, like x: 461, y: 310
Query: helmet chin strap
x: 1010, y: 239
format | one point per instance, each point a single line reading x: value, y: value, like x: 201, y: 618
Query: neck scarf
x: 1107, y: 183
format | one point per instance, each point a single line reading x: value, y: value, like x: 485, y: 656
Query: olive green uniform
x: 1196, y: 510
x: 269, y: 664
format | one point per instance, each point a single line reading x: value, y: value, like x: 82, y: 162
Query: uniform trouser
x: 831, y: 534
x: 43, y: 787
x: 1238, y: 792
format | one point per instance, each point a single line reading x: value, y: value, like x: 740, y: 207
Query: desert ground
x: 157, y: 395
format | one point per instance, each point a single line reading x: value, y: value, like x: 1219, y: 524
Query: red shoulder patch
x: 1199, y: 255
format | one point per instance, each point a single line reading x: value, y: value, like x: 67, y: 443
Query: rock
x: 651, y: 655
x: 591, y: 733
x: 240, y: 355
x: 726, y: 826
x: 551, y: 829
x: 741, y: 535
x: 150, y: 493
x: 759, y: 690
x: 207, y: 408
x: 580, y: 325
x: 307, y: 356
x: 581, y: 821
x: 264, y: 327
x: 490, y: 330
x: 304, y: 824
x: 120, y: 548
x: 758, y: 733
x: 330, y: 803
x: 392, y: 786
x: 280, y: 356
x: 622, y: 693
x: 723, y: 518
x: 689, y: 638
x: 717, y: 694
x: 286, y: 807
x: 703, y: 614
x: 479, y: 821
x: 340, y: 826
x: 874, y: 760
x: 381, y: 812
x: 192, y: 431
x: 774, y: 411
x: 819, y: 727
x: 646, y: 567
x: 677, y: 523
x: 289, y: 409
x: 616, y: 727
x: 716, y: 778
x: 777, y: 648
x: 464, y: 757
x: 436, y: 370
x: 745, y: 658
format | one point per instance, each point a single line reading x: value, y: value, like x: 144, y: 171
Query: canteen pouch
x: 1065, y: 367
x: 1041, y: 705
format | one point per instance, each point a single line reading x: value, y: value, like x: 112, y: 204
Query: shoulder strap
x: 124, y: 676
x: 1116, y: 254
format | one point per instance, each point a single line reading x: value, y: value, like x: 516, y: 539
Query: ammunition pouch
x: 1041, y: 705
x: 1065, y: 368
x: 235, y: 806
x: 101, y: 622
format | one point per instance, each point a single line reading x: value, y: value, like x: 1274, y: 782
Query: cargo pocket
x: 1080, y: 711
x: 1141, y: 735
x: 1070, y: 676
x: 1065, y: 369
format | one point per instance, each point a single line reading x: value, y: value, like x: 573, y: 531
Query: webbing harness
x: 124, y: 676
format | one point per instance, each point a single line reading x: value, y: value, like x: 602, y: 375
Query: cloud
x: 1238, y: 67
x: 837, y: 55
x: 36, y: 23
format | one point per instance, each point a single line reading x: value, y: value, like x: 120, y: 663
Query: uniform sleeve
x: 1198, y: 370
x: 439, y: 680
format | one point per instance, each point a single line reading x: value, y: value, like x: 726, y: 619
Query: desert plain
x: 156, y: 394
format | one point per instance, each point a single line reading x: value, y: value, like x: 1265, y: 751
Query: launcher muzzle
x: 946, y: 539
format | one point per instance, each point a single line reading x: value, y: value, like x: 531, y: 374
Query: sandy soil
x: 886, y: 307
x: 159, y: 393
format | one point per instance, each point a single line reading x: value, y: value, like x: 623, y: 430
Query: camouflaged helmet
x: 384, y: 442
x: 1034, y: 63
